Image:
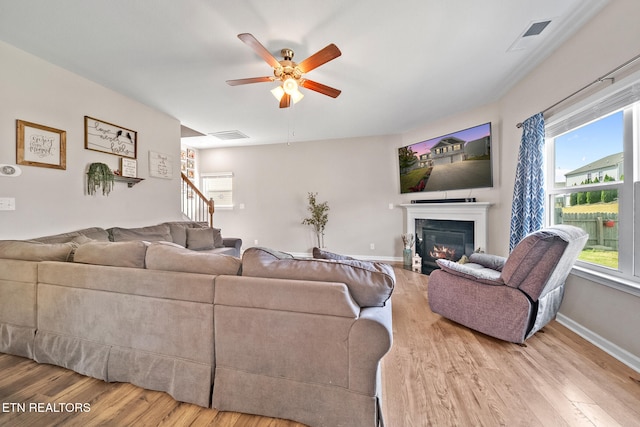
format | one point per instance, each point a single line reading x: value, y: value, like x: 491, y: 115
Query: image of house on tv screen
x: 459, y: 160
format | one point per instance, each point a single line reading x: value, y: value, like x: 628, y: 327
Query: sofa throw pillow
x: 29, y: 250
x: 116, y: 254
x: 178, y: 230
x: 200, y: 239
x: 154, y: 233
x: 218, y: 242
x: 322, y: 254
x: 494, y: 262
x: 161, y: 256
x: 471, y: 271
x: 370, y: 283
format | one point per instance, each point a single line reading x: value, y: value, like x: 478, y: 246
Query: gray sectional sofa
x: 267, y: 333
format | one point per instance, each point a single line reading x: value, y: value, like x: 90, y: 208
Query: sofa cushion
x: 162, y: 256
x: 160, y: 232
x: 75, y: 243
x: 31, y: 250
x: 199, y: 239
x: 94, y: 233
x: 116, y: 254
x: 370, y: 283
x: 533, y: 258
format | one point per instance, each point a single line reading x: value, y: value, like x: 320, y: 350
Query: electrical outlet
x: 372, y: 246
x: 7, y: 204
x: 390, y: 205
x: 255, y: 242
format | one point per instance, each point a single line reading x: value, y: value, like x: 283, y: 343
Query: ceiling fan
x: 290, y: 73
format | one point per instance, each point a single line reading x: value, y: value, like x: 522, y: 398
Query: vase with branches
x: 408, y: 239
x: 319, y: 217
x: 99, y: 176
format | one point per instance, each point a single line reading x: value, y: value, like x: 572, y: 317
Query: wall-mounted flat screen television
x: 459, y: 160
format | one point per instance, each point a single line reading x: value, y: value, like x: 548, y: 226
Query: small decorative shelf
x: 130, y: 181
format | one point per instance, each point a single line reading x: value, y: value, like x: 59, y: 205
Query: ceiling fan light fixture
x: 296, y: 96
x: 278, y: 93
x: 290, y: 86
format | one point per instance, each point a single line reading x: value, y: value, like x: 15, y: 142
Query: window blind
x: 597, y: 110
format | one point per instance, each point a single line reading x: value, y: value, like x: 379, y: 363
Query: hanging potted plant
x: 319, y: 217
x: 99, y: 176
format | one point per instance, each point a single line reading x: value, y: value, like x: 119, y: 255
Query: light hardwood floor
x: 437, y: 374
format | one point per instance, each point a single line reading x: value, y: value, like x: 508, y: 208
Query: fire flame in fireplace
x: 442, y: 252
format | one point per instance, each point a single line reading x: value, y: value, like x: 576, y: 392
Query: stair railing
x: 195, y: 205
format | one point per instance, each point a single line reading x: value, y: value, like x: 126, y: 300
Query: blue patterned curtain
x: 527, y: 209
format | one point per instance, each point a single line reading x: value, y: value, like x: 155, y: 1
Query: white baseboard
x: 631, y: 360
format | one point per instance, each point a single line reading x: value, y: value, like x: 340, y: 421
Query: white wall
x: 607, y: 316
x: 359, y: 177
x: 52, y: 200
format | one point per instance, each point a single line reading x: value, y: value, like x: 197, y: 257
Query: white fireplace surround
x: 468, y: 211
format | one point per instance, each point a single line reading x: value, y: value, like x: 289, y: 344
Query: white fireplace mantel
x: 468, y: 211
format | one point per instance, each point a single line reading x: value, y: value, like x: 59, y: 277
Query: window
x: 592, y: 174
x: 219, y: 187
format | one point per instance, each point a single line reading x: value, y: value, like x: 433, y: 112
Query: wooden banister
x: 195, y: 205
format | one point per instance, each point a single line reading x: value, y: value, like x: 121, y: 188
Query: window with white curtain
x: 219, y: 187
x: 592, y: 164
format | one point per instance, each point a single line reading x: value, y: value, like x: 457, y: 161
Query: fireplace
x: 449, y: 230
x: 442, y: 239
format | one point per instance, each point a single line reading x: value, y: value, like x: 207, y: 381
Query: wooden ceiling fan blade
x: 258, y: 48
x: 238, y: 82
x: 285, y: 101
x: 319, y: 87
x: 323, y: 56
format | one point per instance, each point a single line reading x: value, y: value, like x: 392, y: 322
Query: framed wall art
x: 160, y: 165
x: 128, y: 168
x: 38, y: 145
x: 109, y: 138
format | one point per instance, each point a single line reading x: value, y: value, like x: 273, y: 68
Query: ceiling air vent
x: 536, y: 28
x: 229, y: 135
x: 529, y: 37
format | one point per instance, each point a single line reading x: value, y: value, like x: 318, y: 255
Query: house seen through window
x: 588, y: 159
x: 592, y: 170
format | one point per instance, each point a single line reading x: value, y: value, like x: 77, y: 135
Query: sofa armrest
x: 370, y: 338
x: 232, y: 242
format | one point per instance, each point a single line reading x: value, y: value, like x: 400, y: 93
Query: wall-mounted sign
x: 110, y: 138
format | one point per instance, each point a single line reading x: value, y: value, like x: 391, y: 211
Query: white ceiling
x: 404, y: 63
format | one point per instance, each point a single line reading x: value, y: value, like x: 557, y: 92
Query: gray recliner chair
x: 509, y: 298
